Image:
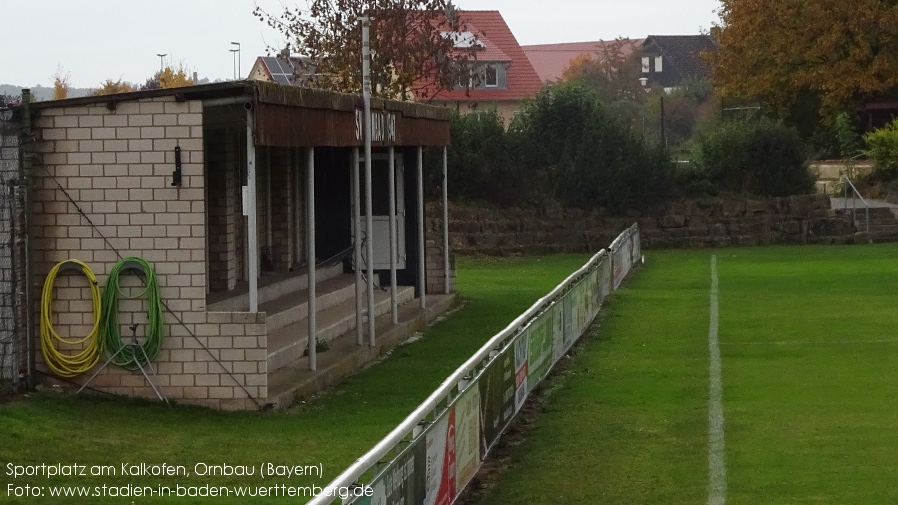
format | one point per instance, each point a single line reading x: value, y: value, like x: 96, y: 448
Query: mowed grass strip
x: 809, y: 343
x: 626, y: 423
x: 809, y: 338
x: 332, y: 430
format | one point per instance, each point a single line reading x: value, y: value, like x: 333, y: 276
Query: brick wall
x: 116, y: 165
x: 435, y: 275
x: 281, y: 208
x: 222, y: 159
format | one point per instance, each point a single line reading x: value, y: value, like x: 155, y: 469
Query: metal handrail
x: 855, y: 195
x: 350, y: 476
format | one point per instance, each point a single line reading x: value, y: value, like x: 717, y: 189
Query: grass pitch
x: 331, y: 431
x: 809, y: 355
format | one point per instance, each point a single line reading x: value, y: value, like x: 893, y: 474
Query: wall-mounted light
x: 176, y: 175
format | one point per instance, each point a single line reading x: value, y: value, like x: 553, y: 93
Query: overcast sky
x: 98, y: 39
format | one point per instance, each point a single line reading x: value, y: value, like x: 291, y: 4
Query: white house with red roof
x: 505, y: 75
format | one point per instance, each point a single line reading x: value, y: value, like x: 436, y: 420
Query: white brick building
x: 107, y: 185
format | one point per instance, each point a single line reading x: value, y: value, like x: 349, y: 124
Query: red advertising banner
x: 440, y: 476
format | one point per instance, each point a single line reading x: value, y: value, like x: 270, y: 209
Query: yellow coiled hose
x: 69, y: 364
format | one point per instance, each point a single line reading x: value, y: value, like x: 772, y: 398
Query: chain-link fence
x: 12, y: 350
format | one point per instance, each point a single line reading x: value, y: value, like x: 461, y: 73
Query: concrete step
x: 287, y: 344
x: 271, y: 287
x: 345, y: 357
x: 294, y: 307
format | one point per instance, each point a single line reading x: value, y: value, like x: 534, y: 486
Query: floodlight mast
x: 369, y: 220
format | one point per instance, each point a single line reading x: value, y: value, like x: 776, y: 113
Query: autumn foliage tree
x: 110, y: 87
x: 612, y: 71
x: 61, y: 84
x: 413, y: 44
x: 834, y: 51
x: 169, y: 77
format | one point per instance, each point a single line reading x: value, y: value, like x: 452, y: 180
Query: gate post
x: 26, y: 180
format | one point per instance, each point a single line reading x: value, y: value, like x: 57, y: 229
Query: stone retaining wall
x: 711, y: 222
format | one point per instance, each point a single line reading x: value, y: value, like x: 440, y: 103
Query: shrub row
x: 566, y: 146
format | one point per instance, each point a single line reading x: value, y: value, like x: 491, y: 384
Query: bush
x: 758, y: 158
x: 482, y: 161
x: 578, y: 153
x: 882, y: 148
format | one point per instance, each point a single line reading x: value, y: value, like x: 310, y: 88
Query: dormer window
x: 483, y: 76
x: 491, y: 77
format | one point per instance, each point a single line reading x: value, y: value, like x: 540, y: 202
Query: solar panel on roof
x: 462, y: 40
x: 290, y: 72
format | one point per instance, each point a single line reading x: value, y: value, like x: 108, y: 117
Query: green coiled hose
x: 127, y: 355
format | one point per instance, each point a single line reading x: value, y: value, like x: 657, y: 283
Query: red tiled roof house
x: 505, y: 74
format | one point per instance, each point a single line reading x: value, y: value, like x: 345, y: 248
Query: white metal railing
x: 435, y: 451
x: 855, y: 196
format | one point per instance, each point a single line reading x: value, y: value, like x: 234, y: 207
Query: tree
x: 110, y: 87
x: 759, y: 158
x: 413, y: 44
x: 61, y: 84
x: 169, y: 77
x: 827, y: 53
x: 7, y: 101
x: 613, y: 71
x: 580, y: 154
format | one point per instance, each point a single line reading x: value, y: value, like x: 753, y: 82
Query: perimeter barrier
x: 436, y: 451
x: 13, y: 351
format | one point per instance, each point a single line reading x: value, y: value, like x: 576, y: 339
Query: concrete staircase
x: 271, y: 287
x: 295, y: 381
x: 285, y: 301
x: 287, y: 322
x: 883, y: 223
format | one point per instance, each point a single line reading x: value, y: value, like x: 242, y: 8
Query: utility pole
x: 663, y: 134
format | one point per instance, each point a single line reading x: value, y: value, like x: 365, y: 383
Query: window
x: 645, y: 64
x: 480, y: 76
x: 491, y: 77
x: 658, y: 67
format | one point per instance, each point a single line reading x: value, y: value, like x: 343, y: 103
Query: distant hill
x: 41, y: 92
x: 45, y: 93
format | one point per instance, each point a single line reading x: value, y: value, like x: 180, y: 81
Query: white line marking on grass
x: 815, y: 342
x: 717, y: 472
